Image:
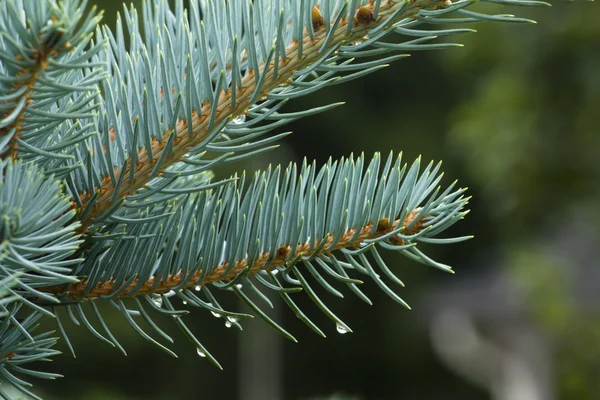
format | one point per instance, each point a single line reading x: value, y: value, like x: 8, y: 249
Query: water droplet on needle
x: 342, y: 329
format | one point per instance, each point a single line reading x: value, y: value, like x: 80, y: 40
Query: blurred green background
x: 515, y: 115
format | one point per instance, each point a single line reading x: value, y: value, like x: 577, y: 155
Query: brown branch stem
x: 77, y: 292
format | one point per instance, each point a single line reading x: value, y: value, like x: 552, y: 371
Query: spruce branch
x: 42, y: 57
x: 27, y: 67
x: 264, y: 263
x: 20, y: 346
x: 230, y: 240
x: 227, y: 105
x: 196, y: 97
x: 37, y: 233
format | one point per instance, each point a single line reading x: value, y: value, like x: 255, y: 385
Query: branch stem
x: 77, y: 291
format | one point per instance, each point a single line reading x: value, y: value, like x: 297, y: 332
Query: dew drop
x: 157, y: 300
x: 200, y: 352
x: 274, y: 271
x: 239, y: 285
x: 240, y: 119
x: 216, y: 315
x: 170, y: 293
x: 184, y: 302
x: 232, y: 319
x: 341, y: 329
x: 228, y: 324
x: 198, y: 288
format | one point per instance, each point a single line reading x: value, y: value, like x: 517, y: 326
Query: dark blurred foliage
x: 515, y: 115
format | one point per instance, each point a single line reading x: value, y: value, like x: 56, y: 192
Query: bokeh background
x: 515, y: 116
